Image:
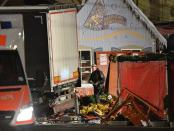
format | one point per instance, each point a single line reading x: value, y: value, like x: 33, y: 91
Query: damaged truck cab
x: 15, y: 97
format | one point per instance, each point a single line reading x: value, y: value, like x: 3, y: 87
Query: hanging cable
x: 4, y: 2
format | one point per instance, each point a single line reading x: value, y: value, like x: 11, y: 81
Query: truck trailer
x: 46, y: 39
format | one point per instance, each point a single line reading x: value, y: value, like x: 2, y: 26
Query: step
x: 159, y: 123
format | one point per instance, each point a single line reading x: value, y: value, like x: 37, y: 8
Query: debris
x: 95, y: 121
x: 134, y: 109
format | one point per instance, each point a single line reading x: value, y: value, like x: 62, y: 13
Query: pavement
x: 88, y: 128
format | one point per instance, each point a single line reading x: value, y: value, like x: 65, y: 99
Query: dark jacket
x: 97, y: 79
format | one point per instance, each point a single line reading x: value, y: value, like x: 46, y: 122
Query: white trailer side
x: 63, y: 50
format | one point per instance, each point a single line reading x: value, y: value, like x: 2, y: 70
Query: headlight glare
x: 25, y: 114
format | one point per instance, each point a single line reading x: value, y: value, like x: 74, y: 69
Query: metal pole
x: 77, y: 104
x: 4, y: 2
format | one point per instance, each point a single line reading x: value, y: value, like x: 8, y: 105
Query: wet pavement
x: 89, y: 128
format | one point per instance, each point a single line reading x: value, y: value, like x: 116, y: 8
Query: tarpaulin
x: 171, y: 89
x: 147, y: 80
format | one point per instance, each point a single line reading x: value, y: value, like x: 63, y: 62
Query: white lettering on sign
x: 7, y: 97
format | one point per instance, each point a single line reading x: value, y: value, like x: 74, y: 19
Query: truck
x: 46, y: 39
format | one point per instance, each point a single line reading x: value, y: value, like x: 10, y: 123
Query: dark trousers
x: 97, y: 93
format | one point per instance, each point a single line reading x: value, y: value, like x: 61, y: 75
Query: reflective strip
x: 3, y: 39
x: 57, y: 79
x: 75, y: 74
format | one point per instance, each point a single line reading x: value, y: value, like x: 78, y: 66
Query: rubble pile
x: 97, y: 111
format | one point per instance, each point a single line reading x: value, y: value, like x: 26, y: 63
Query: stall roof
x: 9, y: 9
x: 110, y: 24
